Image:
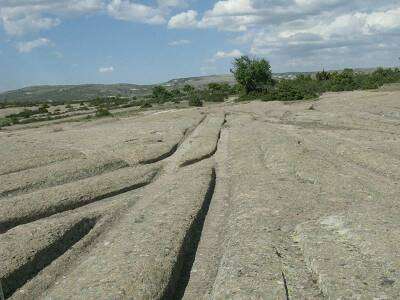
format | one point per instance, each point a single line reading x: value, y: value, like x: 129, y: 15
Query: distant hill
x: 200, y: 81
x: 61, y: 93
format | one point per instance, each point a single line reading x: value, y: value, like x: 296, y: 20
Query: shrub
x: 305, y: 87
x: 43, y: 109
x: 219, y: 87
x: 176, y: 93
x: 188, y: 89
x: 103, y: 112
x: 14, y: 120
x: 146, y: 105
x: 323, y: 76
x: 5, y: 122
x: 195, y: 101
x: 288, y: 90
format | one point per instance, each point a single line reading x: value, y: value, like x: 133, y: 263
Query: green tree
x: 161, y: 94
x: 254, y: 75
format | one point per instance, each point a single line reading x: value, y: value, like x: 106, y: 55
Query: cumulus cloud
x: 26, y: 47
x: 297, y: 33
x: 289, y: 32
x: 186, y: 19
x: 210, y: 65
x: 130, y: 11
x: 179, y: 43
x: 16, y: 22
x: 336, y: 32
x: 232, y: 7
x: 19, y: 17
x: 171, y: 3
x: 23, y: 16
x: 228, y: 54
x: 106, y: 69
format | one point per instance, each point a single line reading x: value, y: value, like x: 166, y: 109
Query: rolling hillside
x: 60, y: 93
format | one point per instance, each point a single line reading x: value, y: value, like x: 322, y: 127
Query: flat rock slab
x: 233, y: 201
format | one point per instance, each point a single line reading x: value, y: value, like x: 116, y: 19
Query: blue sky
x: 133, y: 41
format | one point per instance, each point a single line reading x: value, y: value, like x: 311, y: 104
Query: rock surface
x: 237, y: 201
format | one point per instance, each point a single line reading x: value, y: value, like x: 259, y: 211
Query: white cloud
x: 210, y: 65
x: 228, y: 54
x: 130, y: 11
x: 83, y: 5
x: 289, y: 32
x: 344, y: 30
x: 171, y: 3
x: 106, y: 69
x: 23, y: 16
x: 19, y: 17
x: 232, y: 7
x: 231, y: 15
x: 306, y: 32
x: 179, y: 43
x: 186, y: 19
x: 26, y: 47
x: 18, y: 24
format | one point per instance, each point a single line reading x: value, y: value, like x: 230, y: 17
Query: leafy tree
x: 161, y: 94
x: 254, y: 75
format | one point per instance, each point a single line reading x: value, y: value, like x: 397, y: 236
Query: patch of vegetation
x: 217, y: 92
x: 6, y: 122
x: 214, y: 92
x: 161, y: 94
x: 253, y: 75
x: 103, y: 112
x: 146, y: 105
x: 195, y: 101
x: 62, y: 94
